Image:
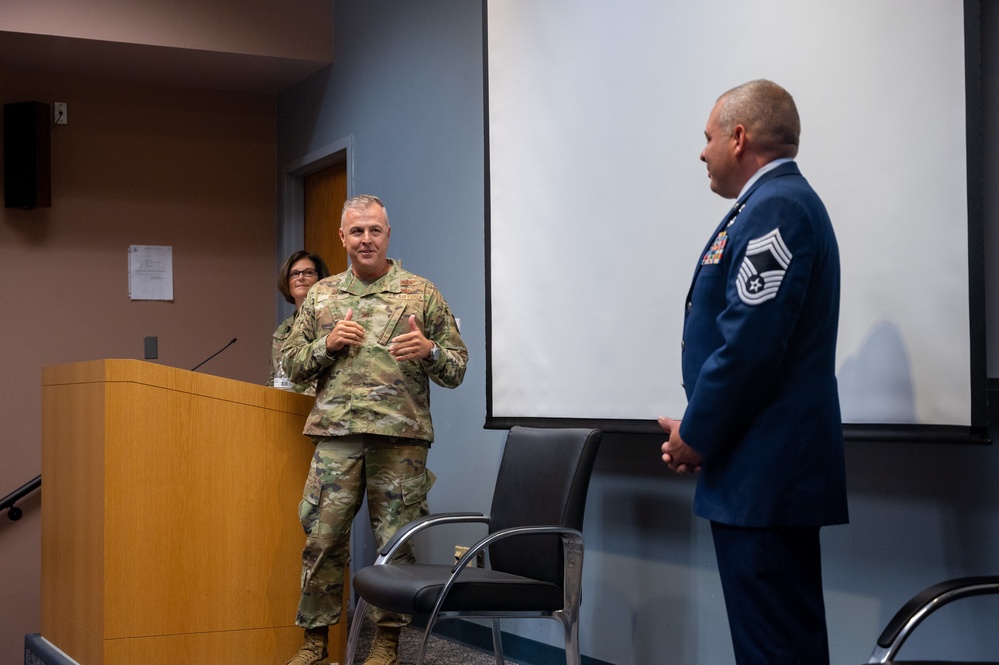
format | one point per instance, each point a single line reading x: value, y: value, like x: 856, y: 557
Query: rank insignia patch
x: 763, y: 268
x: 714, y: 254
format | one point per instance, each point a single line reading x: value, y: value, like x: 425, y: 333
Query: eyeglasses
x: 308, y: 272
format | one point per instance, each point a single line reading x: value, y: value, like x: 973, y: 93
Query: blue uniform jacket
x: 759, y: 353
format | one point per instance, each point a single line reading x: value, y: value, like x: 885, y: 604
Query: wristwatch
x: 435, y: 353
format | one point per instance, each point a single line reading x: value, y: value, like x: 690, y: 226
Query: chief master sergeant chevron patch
x: 763, y: 268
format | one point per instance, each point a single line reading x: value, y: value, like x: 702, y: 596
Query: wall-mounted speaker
x: 27, y: 155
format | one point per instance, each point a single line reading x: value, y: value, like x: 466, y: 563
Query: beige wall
x: 137, y: 164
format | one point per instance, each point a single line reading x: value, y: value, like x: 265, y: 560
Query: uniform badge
x: 763, y: 268
x: 714, y: 254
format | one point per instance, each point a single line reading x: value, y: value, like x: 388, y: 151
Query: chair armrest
x: 572, y: 539
x: 922, y: 605
x: 411, y: 529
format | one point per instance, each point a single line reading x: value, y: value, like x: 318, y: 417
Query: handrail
x: 7, y: 503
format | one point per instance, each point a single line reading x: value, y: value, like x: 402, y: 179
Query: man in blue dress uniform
x: 762, y: 424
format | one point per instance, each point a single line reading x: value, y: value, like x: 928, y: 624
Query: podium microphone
x: 231, y: 342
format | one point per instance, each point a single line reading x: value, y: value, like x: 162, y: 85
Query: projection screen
x: 598, y: 206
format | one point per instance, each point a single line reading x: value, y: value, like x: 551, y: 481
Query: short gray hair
x: 362, y: 202
x: 768, y: 113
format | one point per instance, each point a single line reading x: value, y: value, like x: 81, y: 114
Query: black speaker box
x: 27, y: 155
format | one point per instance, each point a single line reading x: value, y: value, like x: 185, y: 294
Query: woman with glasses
x: 300, y: 271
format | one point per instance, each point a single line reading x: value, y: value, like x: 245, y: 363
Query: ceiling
x: 190, y: 68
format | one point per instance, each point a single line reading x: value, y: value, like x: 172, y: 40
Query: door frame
x: 291, y: 223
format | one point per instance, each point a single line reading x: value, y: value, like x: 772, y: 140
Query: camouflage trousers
x: 392, y: 473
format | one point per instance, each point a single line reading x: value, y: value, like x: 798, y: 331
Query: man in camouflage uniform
x: 372, y: 337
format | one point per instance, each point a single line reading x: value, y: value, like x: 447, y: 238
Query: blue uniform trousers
x: 772, y: 581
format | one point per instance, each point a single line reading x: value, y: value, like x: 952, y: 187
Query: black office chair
x: 921, y: 606
x: 535, y: 547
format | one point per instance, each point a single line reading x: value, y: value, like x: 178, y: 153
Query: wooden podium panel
x: 170, y: 531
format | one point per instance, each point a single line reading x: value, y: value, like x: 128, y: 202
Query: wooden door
x: 325, y: 192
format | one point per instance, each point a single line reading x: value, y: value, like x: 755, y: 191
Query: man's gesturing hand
x: 412, y: 345
x: 346, y: 332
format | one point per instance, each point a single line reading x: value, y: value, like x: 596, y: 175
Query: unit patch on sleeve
x: 714, y: 254
x: 763, y: 268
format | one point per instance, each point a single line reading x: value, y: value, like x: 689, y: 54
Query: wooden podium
x: 170, y: 531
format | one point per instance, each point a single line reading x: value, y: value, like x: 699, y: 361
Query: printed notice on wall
x: 150, y: 272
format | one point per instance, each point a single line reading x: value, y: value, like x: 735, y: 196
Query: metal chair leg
x: 355, y: 630
x: 570, y: 624
x: 431, y: 620
x: 497, y: 642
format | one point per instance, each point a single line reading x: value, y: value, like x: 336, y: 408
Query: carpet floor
x: 440, y: 651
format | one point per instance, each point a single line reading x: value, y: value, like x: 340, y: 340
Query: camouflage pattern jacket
x: 363, y: 389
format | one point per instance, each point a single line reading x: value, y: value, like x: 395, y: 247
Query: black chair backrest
x: 543, y: 479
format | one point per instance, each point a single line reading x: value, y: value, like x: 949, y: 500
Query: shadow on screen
x: 875, y: 385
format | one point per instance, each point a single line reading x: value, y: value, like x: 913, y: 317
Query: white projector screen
x: 598, y: 205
